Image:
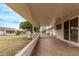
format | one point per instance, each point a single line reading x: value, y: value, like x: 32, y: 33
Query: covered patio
x: 54, y: 47
x: 64, y: 22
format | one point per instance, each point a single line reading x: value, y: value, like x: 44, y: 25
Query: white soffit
x: 44, y: 14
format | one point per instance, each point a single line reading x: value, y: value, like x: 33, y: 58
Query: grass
x: 10, y: 45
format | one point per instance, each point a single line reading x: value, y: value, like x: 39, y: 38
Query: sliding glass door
x: 74, y: 29
x: 73, y: 24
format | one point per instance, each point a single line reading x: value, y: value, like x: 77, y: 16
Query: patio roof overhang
x: 44, y: 14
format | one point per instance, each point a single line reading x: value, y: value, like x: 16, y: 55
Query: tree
x: 36, y: 29
x: 26, y: 25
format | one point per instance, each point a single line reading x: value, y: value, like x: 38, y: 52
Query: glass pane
x: 74, y: 29
x: 66, y: 30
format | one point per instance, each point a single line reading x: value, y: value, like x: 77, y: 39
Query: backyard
x: 10, y: 45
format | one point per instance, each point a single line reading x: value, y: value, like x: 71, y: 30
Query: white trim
x: 70, y: 17
x: 28, y: 48
x: 71, y: 42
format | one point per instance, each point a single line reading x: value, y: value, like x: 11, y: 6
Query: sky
x: 9, y: 18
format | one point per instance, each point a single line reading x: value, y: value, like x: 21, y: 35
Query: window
x: 66, y: 30
x: 58, y: 26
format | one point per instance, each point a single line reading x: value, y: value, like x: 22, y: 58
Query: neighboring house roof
x: 3, y: 28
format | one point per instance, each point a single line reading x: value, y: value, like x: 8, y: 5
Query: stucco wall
x: 1, y: 32
x: 60, y: 33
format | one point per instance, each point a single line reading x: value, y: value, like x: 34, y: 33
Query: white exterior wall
x: 1, y: 32
x: 49, y: 31
x: 60, y: 33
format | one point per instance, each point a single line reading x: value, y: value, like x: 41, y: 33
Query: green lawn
x: 10, y: 45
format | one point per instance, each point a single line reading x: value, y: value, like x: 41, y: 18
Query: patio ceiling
x: 44, y: 14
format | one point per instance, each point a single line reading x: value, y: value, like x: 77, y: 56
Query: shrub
x: 18, y: 32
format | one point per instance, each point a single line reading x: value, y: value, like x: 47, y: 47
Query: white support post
x: 32, y: 32
x: 40, y: 32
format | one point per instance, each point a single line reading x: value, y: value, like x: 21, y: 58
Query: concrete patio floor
x: 54, y: 47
